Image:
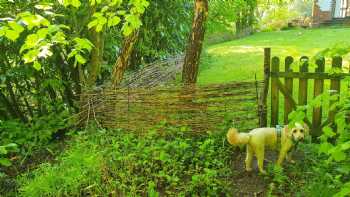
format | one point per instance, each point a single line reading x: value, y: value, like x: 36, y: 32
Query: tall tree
x: 123, y: 59
x: 195, y: 42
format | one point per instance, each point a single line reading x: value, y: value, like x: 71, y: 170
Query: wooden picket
x: 303, y: 76
x: 318, y: 90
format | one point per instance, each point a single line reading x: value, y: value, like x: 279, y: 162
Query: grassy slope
x: 240, y: 59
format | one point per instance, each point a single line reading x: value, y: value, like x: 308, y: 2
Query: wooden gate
x: 273, y: 71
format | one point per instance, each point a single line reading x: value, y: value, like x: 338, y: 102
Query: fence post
x: 318, y: 89
x: 335, y: 86
x: 274, y: 91
x: 264, y: 92
x: 303, y: 85
x: 288, y: 108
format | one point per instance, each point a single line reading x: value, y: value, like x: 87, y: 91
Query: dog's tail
x: 236, y: 138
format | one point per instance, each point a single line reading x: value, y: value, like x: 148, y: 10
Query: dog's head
x: 298, y: 132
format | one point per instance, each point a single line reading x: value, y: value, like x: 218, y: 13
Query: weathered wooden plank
x: 318, y: 90
x: 264, y: 92
x: 285, y: 93
x: 274, y: 92
x: 308, y: 75
x: 289, y: 87
x: 335, y: 85
x: 303, y: 85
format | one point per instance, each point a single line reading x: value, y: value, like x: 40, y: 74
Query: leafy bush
x: 334, y: 149
x: 4, y: 150
x: 116, y: 162
x: 276, y: 18
x: 36, y: 133
x: 78, y: 170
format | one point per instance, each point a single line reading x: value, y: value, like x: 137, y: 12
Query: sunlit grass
x: 241, y: 60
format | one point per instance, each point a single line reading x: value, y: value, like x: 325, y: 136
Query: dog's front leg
x: 283, y: 153
x: 281, y: 157
x: 289, y: 157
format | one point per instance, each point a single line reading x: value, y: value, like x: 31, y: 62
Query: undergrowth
x: 163, y: 162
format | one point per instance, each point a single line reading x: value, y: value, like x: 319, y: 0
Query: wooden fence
x: 273, y: 71
x: 201, y: 108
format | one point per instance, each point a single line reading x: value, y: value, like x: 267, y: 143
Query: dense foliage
x: 164, y: 161
x: 279, y: 15
x: 53, y: 50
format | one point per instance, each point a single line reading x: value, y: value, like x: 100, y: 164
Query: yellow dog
x: 257, y: 139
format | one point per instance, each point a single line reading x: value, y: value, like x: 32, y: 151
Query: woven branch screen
x: 201, y: 108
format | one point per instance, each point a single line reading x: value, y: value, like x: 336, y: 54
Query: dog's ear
x: 287, y: 131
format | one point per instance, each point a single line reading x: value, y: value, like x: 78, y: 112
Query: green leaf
x: 3, y: 150
x: 59, y: 37
x: 92, y: 24
x: 92, y: 2
x: 338, y: 155
x: 345, y: 190
x: 37, y: 66
x: 66, y: 3
x: 5, y: 162
x: 42, y: 33
x: 83, y: 43
x: 32, y: 40
x: 3, y: 31
x: 345, y: 146
x: 104, y: 9
x: 12, y: 35
x: 11, y: 145
x: 127, y: 30
x: 134, y: 21
x: 325, y: 147
x: 328, y: 132
x: 80, y: 59
x: 31, y: 56
x: 99, y: 28
x: 115, y: 20
x: 16, y: 27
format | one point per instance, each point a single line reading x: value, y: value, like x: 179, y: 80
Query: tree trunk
x: 195, y: 42
x: 97, y: 38
x: 6, y: 102
x: 14, y: 102
x: 68, y: 96
x: 123, y: 59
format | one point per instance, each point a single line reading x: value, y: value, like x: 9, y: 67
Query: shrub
x: 77, y: 172
x: 334, y: 148
x: 35, y: 134
x: 276, y: 18
x: 4, y: 150
x: 164, y: 161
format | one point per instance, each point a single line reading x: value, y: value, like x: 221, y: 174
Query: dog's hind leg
x: 249, y: 158
x: 260, y: 154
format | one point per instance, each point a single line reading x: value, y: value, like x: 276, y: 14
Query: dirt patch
x: 249, y: 184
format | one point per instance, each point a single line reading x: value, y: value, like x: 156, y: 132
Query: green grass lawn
x: 241, y: 59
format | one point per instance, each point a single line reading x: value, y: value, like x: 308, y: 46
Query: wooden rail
x: 303, y: 76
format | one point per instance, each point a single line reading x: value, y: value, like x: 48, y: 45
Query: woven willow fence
x: 202, y: 108
x: 155, y: 74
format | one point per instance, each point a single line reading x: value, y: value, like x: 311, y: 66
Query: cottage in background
x: 329, y: 12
